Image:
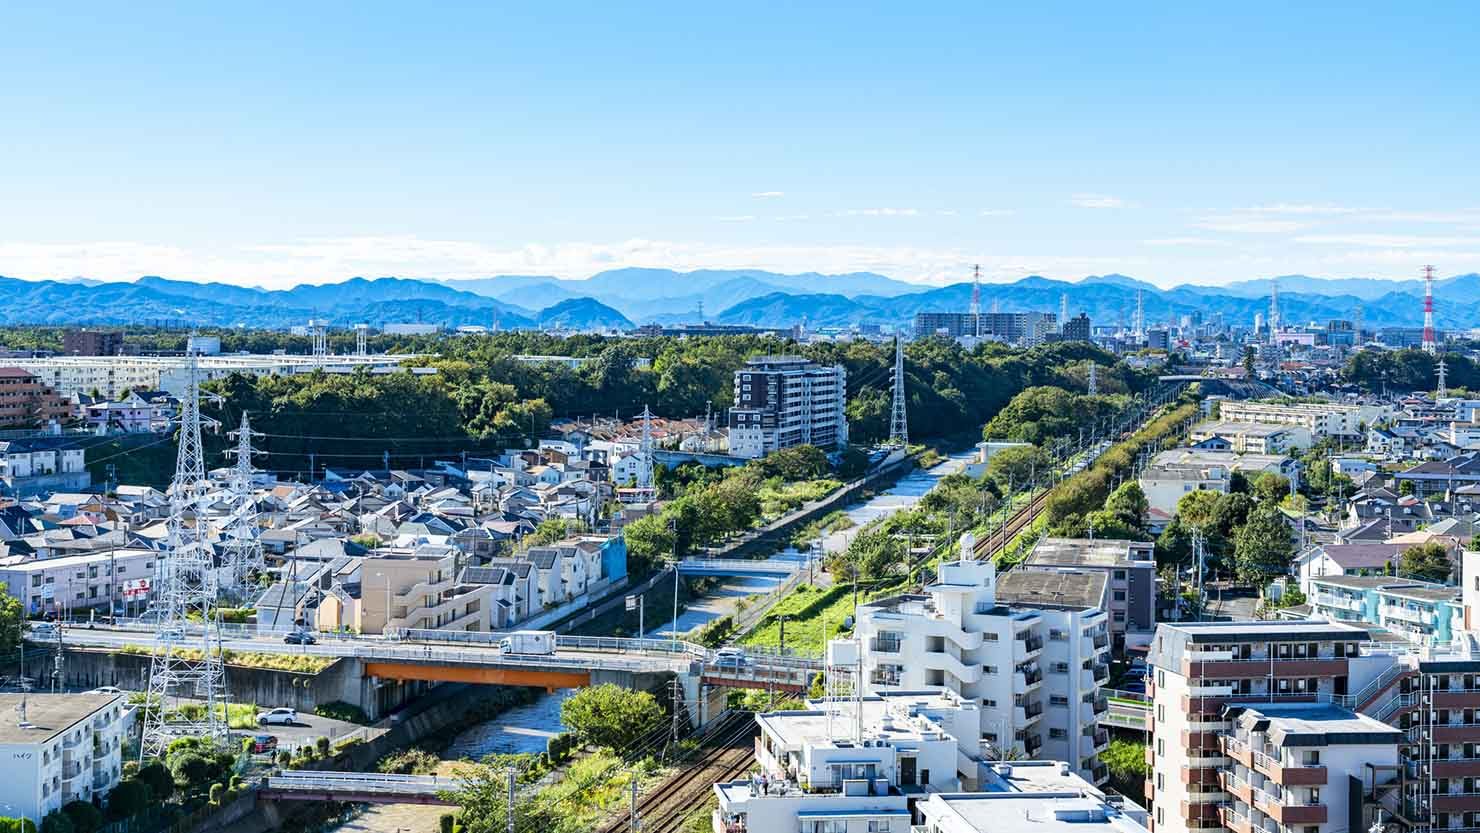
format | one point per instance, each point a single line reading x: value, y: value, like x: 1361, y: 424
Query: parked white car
x: 107, y: 689
x: 282, y: 717
x: 731, y: 658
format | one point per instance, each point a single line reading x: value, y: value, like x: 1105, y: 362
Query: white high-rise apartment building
x: 1031, y: 650
x: 786, y: 401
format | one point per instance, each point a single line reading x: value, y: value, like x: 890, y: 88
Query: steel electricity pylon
x: 187, y: 664
x: 242, y: 549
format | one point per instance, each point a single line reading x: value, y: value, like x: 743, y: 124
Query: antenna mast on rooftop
x: 185, y: 584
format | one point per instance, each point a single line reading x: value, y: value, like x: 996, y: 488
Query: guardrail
x: 362, y: 782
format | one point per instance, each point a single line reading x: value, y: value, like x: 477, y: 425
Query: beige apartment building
x: 416, y: 589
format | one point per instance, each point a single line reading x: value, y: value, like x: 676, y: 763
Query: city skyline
x: 1195, y: 146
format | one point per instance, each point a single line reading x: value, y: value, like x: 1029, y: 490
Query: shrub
x: 84, y: 816
x: 190, y: 770
x: 57, y: 822
x: 340, y: 710
x: 284, y: 758
x: 321, y: 745
x: 559, y: 747
x: 129, y: 798
x: 446, y: 822
x: 158, y: 779
x: 217, y: 791
x: 610, y: 716
x: 409, y: 762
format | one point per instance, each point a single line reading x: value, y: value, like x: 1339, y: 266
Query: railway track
x: 991, y: 545
x: 727, y: 753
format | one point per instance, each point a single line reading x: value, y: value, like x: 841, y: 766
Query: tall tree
x: 1262, y: 549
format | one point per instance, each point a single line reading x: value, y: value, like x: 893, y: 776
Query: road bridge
x: 359, y: 787
x: 476, y: 657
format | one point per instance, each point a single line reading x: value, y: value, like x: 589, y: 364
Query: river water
x: 528, y: 728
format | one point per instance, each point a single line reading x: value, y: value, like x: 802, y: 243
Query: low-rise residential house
x: 1439, y: 476
x: 1332, y: 560
x: 39, y: 465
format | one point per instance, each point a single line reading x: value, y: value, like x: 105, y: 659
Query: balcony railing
x: 884, y: 646
x: 1031, y: 642
x: 1102, y: 640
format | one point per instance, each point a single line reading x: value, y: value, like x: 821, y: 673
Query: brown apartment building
x: 26, y: 402
x: 1310, y: 727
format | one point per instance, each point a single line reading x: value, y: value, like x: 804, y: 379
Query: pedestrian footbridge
x: 360, y: 787
x: 739, y: 567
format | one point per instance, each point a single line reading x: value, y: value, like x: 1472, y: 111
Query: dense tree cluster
x: 1408, y: 370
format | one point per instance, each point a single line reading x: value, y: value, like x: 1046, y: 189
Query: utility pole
x: 634, y: 823
x: 510, y: 807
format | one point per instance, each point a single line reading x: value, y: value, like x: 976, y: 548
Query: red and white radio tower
x: 976, y: 301
x: 1430, y: 343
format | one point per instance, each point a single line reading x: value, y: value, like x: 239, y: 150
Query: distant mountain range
x: 623, y: 298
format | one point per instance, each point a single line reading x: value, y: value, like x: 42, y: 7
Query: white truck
x: 528, y: 642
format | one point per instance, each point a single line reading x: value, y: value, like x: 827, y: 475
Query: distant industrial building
x: 92, y: 343
x: 1022, y: 328
x: 710, y: 329
x: 786, y: 401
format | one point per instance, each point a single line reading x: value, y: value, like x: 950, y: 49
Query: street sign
x: 631, y: 602
x: 136, y: 588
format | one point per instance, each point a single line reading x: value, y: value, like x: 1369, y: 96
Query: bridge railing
x: 361, y: 782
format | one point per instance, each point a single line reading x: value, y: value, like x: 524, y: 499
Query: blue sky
x: 274, y: 144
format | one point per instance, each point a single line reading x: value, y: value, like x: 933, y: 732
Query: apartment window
x: 991, y: 704
x: 1161, y: 747
x: 1057, y: 734
x: 1057, y: 636
x: 1061, y: 668
x: 990, y: 669
x: 1058, y: 700
x: 1118, y: 616
x: 1119, y: 574
x: 881, y: 826
x: 1161, y: 678
x: 1161, y: 782
x: 36, y: 581
x: 1159, y: 820
x: 989, y: 636
x: 1161, y: 712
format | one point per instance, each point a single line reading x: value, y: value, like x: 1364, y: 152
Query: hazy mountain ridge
x: 622, y: 298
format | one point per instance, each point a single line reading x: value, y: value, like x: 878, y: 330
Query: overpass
x: 359, y: 787
x: 476, y: 657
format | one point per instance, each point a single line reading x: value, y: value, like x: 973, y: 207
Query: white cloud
x: 1245, y: 225
x: 736, y: 218
x: 1098, y: 201
x: 1324, y: 209
x: 324, y: 260
x: 1387, y: 241
x: 1471, y: 218
x: 787, y: 218
x: 768, y: 195
x: 1186, y: 241
x: 882, y: 212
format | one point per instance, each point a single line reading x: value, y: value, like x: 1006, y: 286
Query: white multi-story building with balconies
x: 60, y: 748
x: 1031, y: 650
